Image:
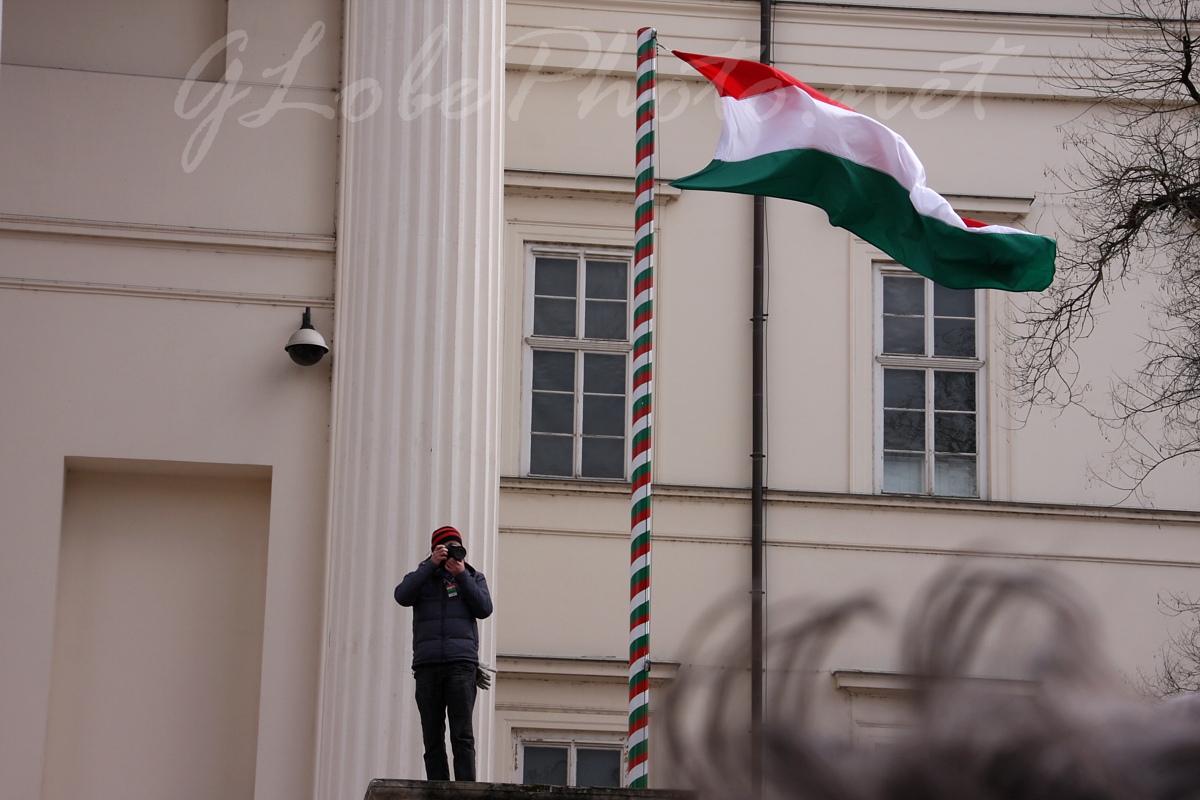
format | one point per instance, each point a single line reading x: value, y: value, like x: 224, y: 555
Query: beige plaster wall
x: 148, y: 293
x: 966, y: 91
x: 159, y: 239
x: 821, y: 300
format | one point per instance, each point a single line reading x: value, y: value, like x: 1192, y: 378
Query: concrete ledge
x: 382, y: 789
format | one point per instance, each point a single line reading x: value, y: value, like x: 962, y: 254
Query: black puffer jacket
x: 444, y: 626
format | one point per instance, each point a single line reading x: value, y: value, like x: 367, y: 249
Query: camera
x: 306, y: 347
x: 456, y: 551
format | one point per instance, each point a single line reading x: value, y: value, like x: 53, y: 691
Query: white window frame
x: 928, y: 364
x: 578, y: 345
x: 572, y: 740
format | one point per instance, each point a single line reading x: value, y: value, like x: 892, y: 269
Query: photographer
x: 447, y: 595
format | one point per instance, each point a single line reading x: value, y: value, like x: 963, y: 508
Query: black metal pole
x: 758, y: 456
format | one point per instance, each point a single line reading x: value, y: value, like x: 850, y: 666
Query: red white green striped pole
x: 638, y: 775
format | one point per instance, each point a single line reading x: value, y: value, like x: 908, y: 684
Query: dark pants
x: 447, y: 690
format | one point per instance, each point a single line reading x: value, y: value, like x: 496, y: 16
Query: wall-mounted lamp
x: 306, y: 347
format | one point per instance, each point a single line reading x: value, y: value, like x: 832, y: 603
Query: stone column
x: 416, y: 360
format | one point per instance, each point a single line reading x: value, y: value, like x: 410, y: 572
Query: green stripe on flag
x: 875, y: 206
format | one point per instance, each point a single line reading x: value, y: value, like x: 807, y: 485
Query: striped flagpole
x: 643, y: 386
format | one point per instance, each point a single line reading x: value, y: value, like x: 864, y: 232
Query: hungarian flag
x: 782, y: 138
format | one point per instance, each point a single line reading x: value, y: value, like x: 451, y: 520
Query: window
x: 578, y: 347
x: 558, y: 759
x: 929, y: 373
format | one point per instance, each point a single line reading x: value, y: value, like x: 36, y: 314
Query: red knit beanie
x: 443, y: 535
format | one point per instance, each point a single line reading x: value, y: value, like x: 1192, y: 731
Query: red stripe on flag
x: 740, y: 79
x: 973, y: 223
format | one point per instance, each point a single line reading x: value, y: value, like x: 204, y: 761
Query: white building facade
x: 200, y: 538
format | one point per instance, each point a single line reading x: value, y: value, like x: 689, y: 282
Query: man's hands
x: 441, y: 558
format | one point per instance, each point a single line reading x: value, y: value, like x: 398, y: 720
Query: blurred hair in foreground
x: 1009, y: 697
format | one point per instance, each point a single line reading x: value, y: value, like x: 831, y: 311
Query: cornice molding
x: 913, y: 16
x: 177, y: 236
x: 991, y: 208
x: 576, y: 185
x: 166, y: 293
x: 834, y: 47
x: 867, y: 683
x: 576, y: 669
x: 719, y: 494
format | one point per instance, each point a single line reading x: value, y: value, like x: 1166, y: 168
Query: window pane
x: 603, y: 415
x: 604, y: 373
x: 603, y: 458
x: 597, y: 767
x: 904, y: 335
x: 553, y: 317
x: 556, y: 277
x: 904, y: 388
x: 953, y: 302
x: 954, y: 391
x: 955, y: 476
x: 606, y: 320
x: 903, y: 295
x: 550, y: 455
x: 954, y: 433
x: 904, y: 473
x: 606, y: 280
x: 553, y: 413
x: 545, y: 765
x: 954, y: 338
x: 904, y: 430
x: 553, y: 370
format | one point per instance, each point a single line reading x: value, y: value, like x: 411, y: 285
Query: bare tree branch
x: 1178, y: 671
x: 1134, y: 196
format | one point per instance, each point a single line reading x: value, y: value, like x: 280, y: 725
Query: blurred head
x: 1058, y: 726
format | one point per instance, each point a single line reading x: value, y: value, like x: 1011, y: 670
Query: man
x: 447, y: 595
